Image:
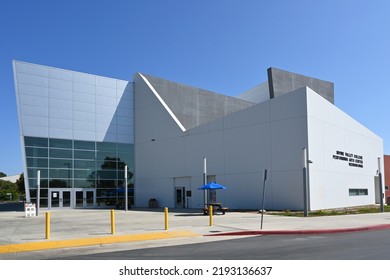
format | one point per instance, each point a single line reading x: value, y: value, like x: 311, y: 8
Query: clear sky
x: 224, y: 46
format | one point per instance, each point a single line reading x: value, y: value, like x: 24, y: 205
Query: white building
x: 172, y: 127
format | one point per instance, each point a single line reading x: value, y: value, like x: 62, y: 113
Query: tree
x: 2, y: 175
x: 20, y: 184
x: 8, y: 190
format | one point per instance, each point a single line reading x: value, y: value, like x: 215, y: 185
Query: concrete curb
x: 310, y: 231
x: 80, y: 242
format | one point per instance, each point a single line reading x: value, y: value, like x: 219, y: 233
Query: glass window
x: 33, y: 183
x: 84, y: 145
x: 106, y: 146
x: 35, y: 141
x: 37, y: 162
x: 357, y: 192
x: 78, y: 154
x: 103, y: 155
x: 60, y: 153
x: 107, y: 164
x: 36, y: 152
x: 84, y: 174
x: 84, y: 183
x: 84, y: 164
x: 32, y: 172
x: 125, y: 148
x: 60, y: 173
x: 60, y: 163
x: 110, y: 175
x: 60, y: 183
x: 107, y: 184
x: 60, y: 143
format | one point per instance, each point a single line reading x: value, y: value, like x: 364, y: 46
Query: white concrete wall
x: 331, y: 130
x: 270, y: 135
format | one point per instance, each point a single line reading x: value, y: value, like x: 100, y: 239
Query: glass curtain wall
x: 80, y: 164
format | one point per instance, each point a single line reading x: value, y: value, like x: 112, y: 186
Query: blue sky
x: 224, y: 46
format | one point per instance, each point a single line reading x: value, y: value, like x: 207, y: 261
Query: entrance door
x: 180, y: 197
x: 84, y: 198
x: 59, y: 198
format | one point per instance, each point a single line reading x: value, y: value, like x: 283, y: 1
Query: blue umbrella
x: 212, y: 186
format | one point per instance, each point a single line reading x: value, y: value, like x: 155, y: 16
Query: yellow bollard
x: 166, y: 217
x: 47, y: 225
x: 112, y: 221
x: 211, y: 215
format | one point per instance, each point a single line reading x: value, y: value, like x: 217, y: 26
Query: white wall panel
x: 105, y: 110
x: 83, y: 87
x: 84, y: 107
x: 129, y: 121
x: 61, y: 133
x: 84, y: 135
x: 61, y: 74
x: 32, y: 80
x: 105, y: 82
x: 83, y: 97
x: 33, y: 110
x: 35, y: 121
x: 61, y: 104
x: 106, y: 101
x: 60, y: 114
x: 35, y: 131
x: 33, y: 100
x: 83, y: 78
x: 84, y: 116
x: 60, y: 123
x: 33, y: 90
x: 32, y: 69
x: 123, y: 85
x: 105, y: 119
x: 125, y: 112
x: 61, y: 84
x: 106, y: 92
x: 60, y: 94
x: 84, y: 126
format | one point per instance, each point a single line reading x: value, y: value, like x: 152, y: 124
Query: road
x: 367, y: 245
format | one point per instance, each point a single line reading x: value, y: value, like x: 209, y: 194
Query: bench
x: 217, y: 208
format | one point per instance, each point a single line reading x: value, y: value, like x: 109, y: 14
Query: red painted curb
x: 309, y: 231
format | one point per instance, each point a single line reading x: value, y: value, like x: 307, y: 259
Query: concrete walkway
x: 77, y: 228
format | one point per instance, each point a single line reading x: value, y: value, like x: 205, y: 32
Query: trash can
x: 153, y: 203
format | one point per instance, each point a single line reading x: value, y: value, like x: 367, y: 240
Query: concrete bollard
x: 47, y: 225
x: 166, y: 217
x: 211, y: 215
x: 112, y: 221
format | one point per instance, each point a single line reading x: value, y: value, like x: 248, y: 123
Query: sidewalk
x: 75, y: 228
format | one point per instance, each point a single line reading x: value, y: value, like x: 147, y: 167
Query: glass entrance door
x: 72, y: 198
x: 180, y: 197
x: 85, y: 198
x: 59, y: 198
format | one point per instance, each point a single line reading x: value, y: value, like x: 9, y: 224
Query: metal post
x: 205, y: 180
x: 126, y: 202
x: 305, y: 204
x: 38, y: 190
x: 211, y: 215
x: 262, y: 207
x: 382, y: 207
x: 47, y: 225
x: 112, y: 221
x: 166, y: 218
